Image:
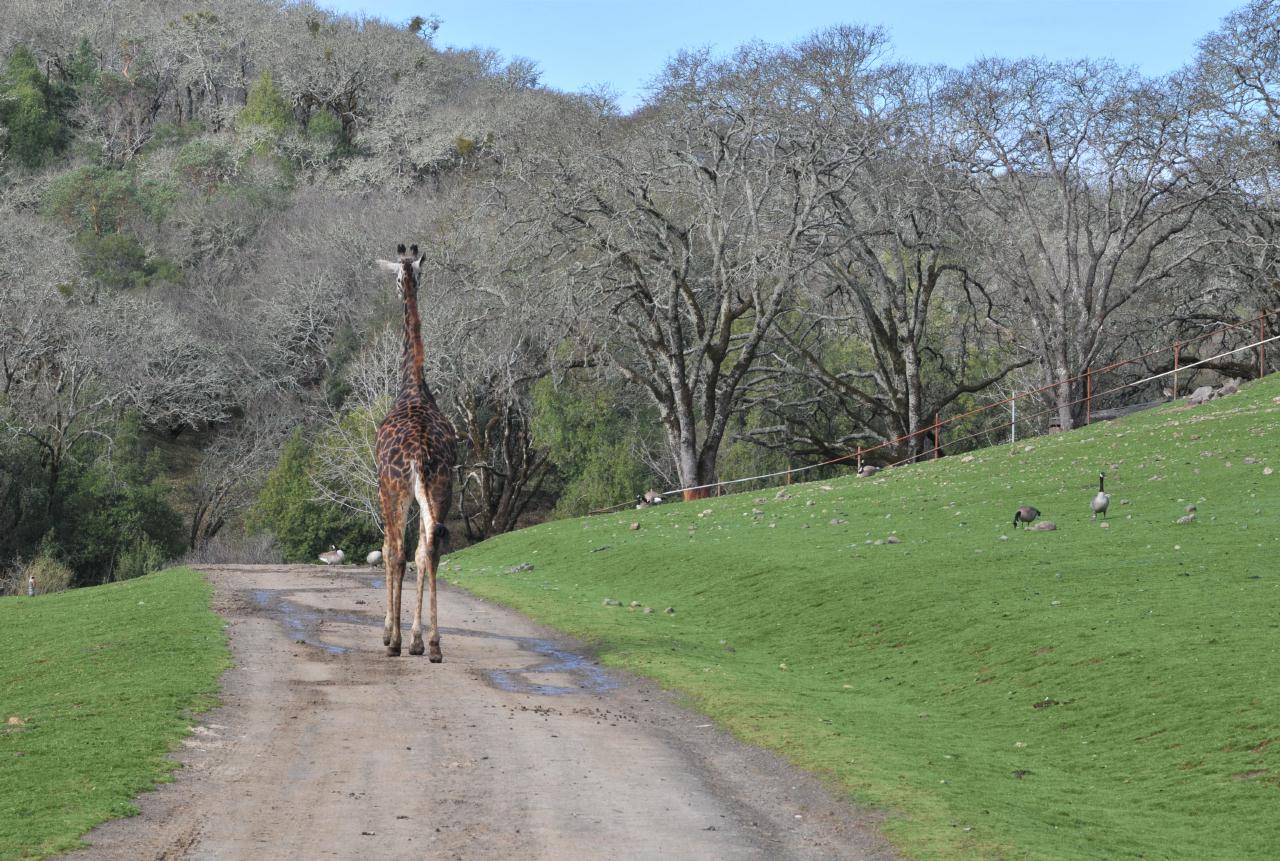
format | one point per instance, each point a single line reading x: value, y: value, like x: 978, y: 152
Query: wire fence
x: 1090, y: 379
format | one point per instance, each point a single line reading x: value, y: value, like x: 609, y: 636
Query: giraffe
x: 416, y: 449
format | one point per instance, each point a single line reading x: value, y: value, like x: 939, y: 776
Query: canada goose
x: 649, y: 497
x: 867, y: 471
x: 1025, y: 514
x: 374, y: 558
x: 332, y: 556
x: 1102, y: 500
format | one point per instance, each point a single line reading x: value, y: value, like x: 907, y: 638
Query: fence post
x: 859, y: 458
x: 937, y: 437
x: 1088, y: 395
x: 1262, y: 348
x: 1177, y: 348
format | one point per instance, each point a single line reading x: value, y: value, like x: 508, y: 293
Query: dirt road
x: 518, y: 746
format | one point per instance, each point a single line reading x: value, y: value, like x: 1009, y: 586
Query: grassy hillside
x: 96, y: 687
x: 1084, y: 693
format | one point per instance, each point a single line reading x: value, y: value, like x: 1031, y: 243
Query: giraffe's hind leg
x: 426, y: 562
x: 422, y: 560
x: 395, y: 505
x: 440, y: 495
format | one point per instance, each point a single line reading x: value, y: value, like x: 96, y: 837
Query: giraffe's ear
x: 389, y: 266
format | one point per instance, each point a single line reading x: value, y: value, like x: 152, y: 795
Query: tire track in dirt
x: 517, y: 746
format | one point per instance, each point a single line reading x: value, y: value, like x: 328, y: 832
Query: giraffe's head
x: 406, y: 266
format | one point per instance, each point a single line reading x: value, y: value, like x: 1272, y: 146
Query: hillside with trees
x: 787, y: 252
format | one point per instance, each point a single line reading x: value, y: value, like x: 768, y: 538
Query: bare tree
x: 1237, y: 77
x: 886, y: 336
x: 496, y: 327
x: 232, y: 468
x: 686, y: 232
x: 345, y: 456
x: 1080, y: 176
x: 47, y: 393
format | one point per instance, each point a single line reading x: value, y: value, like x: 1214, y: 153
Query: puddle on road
x: 588, y: 677
x: 302, y: 623
x: 581, y: 674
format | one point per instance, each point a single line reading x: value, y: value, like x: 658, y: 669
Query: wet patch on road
x: 582, y: 674
x: 302, y: 623
x: 577, y: 672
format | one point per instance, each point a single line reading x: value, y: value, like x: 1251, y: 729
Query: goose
x: 332, y: 556
x: 867, y: 471
x: 1025, y: 514
x: 374, y: 558
x: 649, y: 497
x: 1102, y: 500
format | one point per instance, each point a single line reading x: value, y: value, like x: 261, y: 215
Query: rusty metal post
x: 937, y: 437
x: 1262, y: 348
x: 859, y: 458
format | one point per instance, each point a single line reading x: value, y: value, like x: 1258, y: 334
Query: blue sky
x: 581, y: 44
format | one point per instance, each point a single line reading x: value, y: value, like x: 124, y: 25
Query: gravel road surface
x: 517, y: 746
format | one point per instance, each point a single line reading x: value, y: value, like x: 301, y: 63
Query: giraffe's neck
x: 412, y: 381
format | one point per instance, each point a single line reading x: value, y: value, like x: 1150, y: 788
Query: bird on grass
x: 332, y: 556
x: 1101, y: 500
x: 1025, y: 514
x: 1189, y: 517
x: 648, y: 498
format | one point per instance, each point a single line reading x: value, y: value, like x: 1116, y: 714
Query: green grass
x: 909, y: 674
x: 104, y: 682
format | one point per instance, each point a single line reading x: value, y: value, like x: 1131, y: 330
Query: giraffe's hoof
x: 386, y: 639
x: 393, y: 651
x: 436, y: 657
x: 417, y: 648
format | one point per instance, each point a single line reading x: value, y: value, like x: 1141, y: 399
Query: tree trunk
x: 917, y: 445
x: 1063, y: 402
x: 55, y: 472
x: 687, y: 461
